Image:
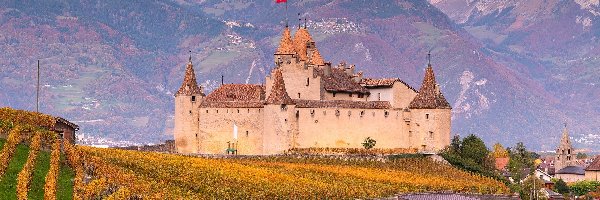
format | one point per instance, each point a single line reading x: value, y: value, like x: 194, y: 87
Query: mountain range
x: 512, y: 70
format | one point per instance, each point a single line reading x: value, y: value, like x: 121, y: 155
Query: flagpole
x: 286, y: 14
x: 37, y: 94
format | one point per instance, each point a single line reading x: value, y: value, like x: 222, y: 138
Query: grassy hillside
x: 8, y: 183
x: 157, y: 175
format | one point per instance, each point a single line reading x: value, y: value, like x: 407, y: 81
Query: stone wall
x: 592, y: 175
x: 570, y: 178
x: 186, y: 123
x: 216, y: 129
x: 430, y: 128
x: 348, y: 128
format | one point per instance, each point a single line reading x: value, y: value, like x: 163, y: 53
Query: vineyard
x: 124, y: 174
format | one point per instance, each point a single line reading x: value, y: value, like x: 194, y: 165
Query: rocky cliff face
x: 113, y: 67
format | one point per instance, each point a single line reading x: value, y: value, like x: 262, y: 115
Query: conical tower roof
x: 189, y: 86
x: 429, y: 96
x: 300, y: 39
x: 278, y: 94
x: 317, y: 59
x: 286, y: 46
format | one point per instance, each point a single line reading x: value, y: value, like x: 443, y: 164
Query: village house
x: 592, y: 172
x: 306, y: 102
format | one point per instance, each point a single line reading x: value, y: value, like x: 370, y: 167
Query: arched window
x: 307, y: 81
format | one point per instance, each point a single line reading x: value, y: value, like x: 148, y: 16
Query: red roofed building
x: 307, y: 102
x: 592, y: 172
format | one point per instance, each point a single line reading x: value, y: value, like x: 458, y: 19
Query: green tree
x: 455, y: 144
x: 474, y: 148
x: 532, y: 188
x: 581, y: 155
x: 580, y: 188
x: 369, y: 143
x: 520, y: 160
x: 561, y: 187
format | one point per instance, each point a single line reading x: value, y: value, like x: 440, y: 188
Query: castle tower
x: 279, y: 119
x: 286, y: 50
x: 187, y: 99
x: 302, y: 41
x: 431, y: 115
x: 564, y: 152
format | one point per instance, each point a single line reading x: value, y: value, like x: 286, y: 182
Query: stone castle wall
x: 216, y: 129
x: 348, y: 128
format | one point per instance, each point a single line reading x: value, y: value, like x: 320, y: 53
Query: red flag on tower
x: 280, y: 1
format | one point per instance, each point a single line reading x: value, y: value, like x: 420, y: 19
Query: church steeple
x: 564, y: 152
x: 429, y: 96
x: 189, y: 86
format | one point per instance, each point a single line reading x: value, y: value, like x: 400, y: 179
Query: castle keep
x: 307, y: 102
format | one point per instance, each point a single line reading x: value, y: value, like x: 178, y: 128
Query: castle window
x: 386, y: 113
x: 568, y: 151
x: 312, y: 112
x: 431, y: 134
x: 334, y: 94
x: 426, y: 116
x: 193, y: 98
x: 378, y: 96
x: 362, y: 113
x: 409, y: 133
x: 324, y: 112
x: 190, y: 112
x: 283, y: 107
x: 238, y: 110
x: 246, y: 133
x: 258, y: 110
x: 297, y: 113
x: 350, y: 95
x: 298, y: 95
x: 217, y: 111
x: 361, y: 95
x: 337, y: 112
x: 206, y: 110
x: 307, y: 81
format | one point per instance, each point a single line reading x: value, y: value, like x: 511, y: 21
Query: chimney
x: 327, y: 69
x: 358, y: 76
x: 350, y: 70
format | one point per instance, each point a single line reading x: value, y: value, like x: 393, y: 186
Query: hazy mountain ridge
x: 120, y: 64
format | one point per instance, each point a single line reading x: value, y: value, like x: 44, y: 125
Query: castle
x: 306, y: 102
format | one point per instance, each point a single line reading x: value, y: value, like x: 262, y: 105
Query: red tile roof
x: 382, y: 82
x: 189, y: 86
x: 501, y: 163
x: 278, y: 93
x: 232, y: 104
x: 317, y: 59
x: 286, y: 46
x: 429, y: 96
x: 238, y: 93
x: 342, y: 104
x: 300, y: 39
x: 339, y: 81
x: 595, y: 165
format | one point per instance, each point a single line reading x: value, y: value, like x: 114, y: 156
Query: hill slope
x: 113, y: 67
